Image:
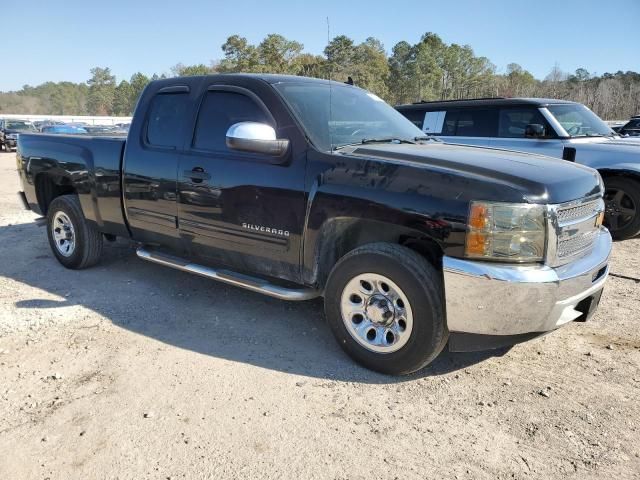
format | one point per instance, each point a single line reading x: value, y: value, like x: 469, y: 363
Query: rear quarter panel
x: 89, y: 165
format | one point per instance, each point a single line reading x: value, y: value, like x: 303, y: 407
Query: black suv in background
x: 9, y: 130
x: 631, y: 128
x: 556, y: 128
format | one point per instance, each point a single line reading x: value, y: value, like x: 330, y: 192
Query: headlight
x: 507, y: 232
x: 12, y: 136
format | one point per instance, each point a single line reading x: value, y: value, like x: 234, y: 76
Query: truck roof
x: 266, y: 77
x: 486, y: 102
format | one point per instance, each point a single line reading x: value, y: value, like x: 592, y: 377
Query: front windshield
x: 355, y: 115
x: 579, y: 121
x: 20, y: 125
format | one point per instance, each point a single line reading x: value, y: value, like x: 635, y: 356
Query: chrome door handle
x: 197, y: 174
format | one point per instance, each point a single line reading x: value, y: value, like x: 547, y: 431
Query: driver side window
x: 513, y: 122
x: 220, y: 110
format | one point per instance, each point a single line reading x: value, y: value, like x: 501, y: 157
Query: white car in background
x: 556, y: 128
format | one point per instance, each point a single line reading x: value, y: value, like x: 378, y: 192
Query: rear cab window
x: 167, y: 114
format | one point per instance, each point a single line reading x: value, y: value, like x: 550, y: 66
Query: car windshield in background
x: 579, y: 121
x: 355, y: 115
x: 22, y: 126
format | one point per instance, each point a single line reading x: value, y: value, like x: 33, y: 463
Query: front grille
x: 575, y: 228
x: 576, y: 244
x: 578, y: 212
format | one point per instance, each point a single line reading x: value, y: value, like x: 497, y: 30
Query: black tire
x: 422, y: 285
x: 87, y: 239
x: 622, y: 199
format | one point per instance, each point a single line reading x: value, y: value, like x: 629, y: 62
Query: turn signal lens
x: 507, y: 232
x: 476, y: 243
x: 600, y: 219
x: 478, y: 216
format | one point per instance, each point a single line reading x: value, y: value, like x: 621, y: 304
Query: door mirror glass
x: 256, y: 137
x: 534, y: 130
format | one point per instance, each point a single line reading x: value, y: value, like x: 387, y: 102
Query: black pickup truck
x: 298, y: 188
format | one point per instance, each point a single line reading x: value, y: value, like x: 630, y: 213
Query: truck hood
x: 522, y: 176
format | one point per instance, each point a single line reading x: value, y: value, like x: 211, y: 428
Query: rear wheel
x: 622, y: 207
x: 384, y: 304
x: 75, y: 242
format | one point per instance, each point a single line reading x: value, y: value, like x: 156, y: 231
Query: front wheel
x: 384, y: 304
x: 75, y: 242
x: 622, y: 207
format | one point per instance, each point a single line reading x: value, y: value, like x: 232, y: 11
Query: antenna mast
x: 330, y: 86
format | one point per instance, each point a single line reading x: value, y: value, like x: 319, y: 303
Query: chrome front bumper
x: 500, y: 299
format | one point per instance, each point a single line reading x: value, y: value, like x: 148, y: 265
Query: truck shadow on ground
x: 194, y: 313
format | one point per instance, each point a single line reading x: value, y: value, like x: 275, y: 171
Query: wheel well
x: 425, y: 247
x: 340, y: 238
x: 47, y: 190
x: 604, y: 173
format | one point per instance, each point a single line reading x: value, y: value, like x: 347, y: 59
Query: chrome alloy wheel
x: 376, y: 313
x: 63, y: 234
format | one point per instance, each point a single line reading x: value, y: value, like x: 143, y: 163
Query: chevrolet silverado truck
x: 557, y: 128
x: 299, y: 188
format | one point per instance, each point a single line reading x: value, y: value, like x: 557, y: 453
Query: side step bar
x: 232, y: 278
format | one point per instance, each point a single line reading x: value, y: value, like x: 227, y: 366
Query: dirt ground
x: 130, y: 370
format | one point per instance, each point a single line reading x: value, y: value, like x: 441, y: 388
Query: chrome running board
x: 232, y: 278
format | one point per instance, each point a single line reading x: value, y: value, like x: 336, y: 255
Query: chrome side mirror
x: 256, y: 137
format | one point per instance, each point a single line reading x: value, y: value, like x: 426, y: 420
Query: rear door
x: 470, y: 126
x: 241, y: 210
x: 512, y: 122
x: 151, y: 164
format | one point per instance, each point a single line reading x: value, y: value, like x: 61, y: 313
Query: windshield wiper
x: 364, y: 141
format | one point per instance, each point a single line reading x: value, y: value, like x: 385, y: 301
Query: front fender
x: 342, y: 218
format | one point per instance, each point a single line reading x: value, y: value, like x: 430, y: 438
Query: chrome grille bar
x: 573, y: 229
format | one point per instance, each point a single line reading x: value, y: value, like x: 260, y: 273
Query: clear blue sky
x: 63, y: 39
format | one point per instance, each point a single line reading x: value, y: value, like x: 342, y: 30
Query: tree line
x: 427, y: 70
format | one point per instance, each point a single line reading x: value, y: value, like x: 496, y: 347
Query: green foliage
x: 122, y: 102
x: 102, y: 91
x: 427, y: 70
x: 239, y: 56
x: 181, y: 70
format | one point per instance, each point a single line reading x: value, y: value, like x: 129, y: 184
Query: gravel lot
x: 130, y: 370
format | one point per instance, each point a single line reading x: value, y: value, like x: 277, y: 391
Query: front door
x: 240, y: 210
x: 511, y: 132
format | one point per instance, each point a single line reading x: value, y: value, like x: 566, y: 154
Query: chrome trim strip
x: 148, y: 216
x: 232, y: 278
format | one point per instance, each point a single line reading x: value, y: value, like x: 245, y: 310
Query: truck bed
x: 91, y: 163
